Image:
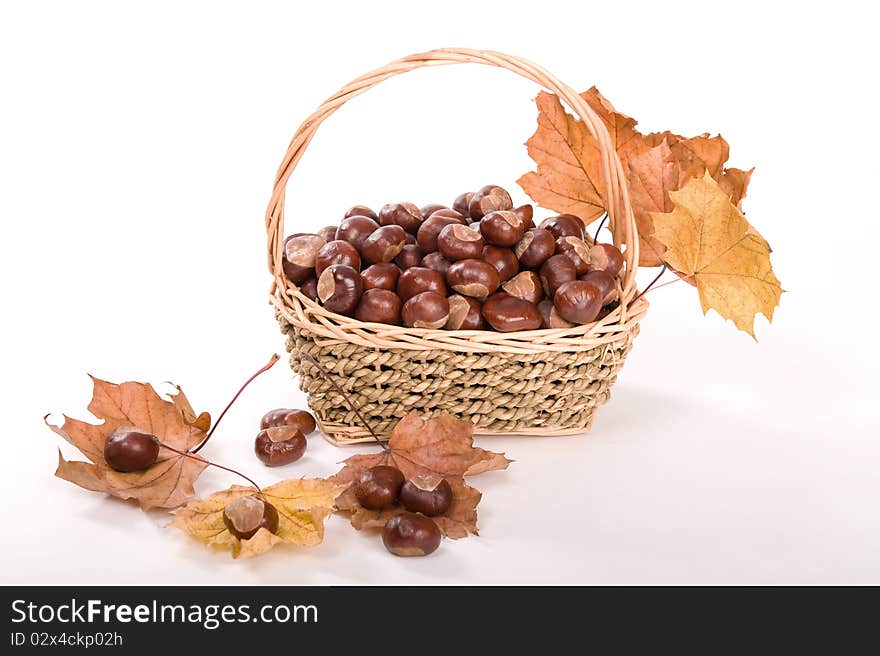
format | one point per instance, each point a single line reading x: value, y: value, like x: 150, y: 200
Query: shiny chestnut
x: 473, y: 277
x: 379, y: 306
x: 462, y: 203
x: 430, y: 208
x: 526, y: 214
x: 309, y: 288
x: 556, y: 271
x: 279, y: 445
x: 244, y: 516
x: 340, y: 288
x: 605, y: 282
x: 378, y: 487
x: 459, y: 242
x: 430, y: 230
x: 436, y: 261
x: 328, y: 232
x: 535, y: 248
x: 406, y: 215
x: 506, y: 313
x: 489, y: 199
x: 382, y: 275
x: 299, y: 256
x: 355, y: 230
x: 299, y: 419
x: 428, y: 494
x: 564, y: 225
x: 416, y: 280
x: 577, y: 251
x: 464, y: 313
x: 425, y: 310
x: 503, y: 259
x: 578, y: 301
x: 606, y: 257
x: 525, y: 285
x: 411, y: 534
x: 502, y: 228
x: 383, y: 244
x: 361, y: 210
x: 336, y: 252
x: 410, y: 256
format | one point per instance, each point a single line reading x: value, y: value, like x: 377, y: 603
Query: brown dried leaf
x: 168, y: 483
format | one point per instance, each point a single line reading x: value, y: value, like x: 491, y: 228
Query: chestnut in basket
x: 406, y: 215
x: 430, y: 229
x: 244, y: 516
x: 430, y: 208
x: 379, y: 306
x: 502, y: 228
x: 425, y: 310
x: 464, y: 313
x: 299, y: 419
x: 459, y: 242
x: 279, y: 445
x: 606, y: 257
x: 328, y: 233
x: 473, y: 278
x: 416, y: 280
x: 340, y: 288
x: 577, y: 251
x: 436, y: 261
x: 361, y: 210
x: 525, y: 285
x: 503, y: 259
x: 299, y: 256
x: 309, y: 288
x: 526, y: 214
x: 382, y: 275
x: 564, y: 225
x: 462, y: 202
x: 605, y: 282
x: 378, y: 487
x: 428, y: 494
x: 336, y: 252
x: 507, y: 314
x: 410, y: 256
x: 578, y: 301
x: 410, y: 534
x: 550, y: 317
x: 355, y: 229
x: 383, y: 244
x: 535, y: 247
x: 489, y: 199
x: 556, y: 271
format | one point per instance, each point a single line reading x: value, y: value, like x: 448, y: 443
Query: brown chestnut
x: 578, y: 301
x: 459, y: 242
x: 473, y: 278
x: 507, y: 314
x: 244, y: 516
x: 303, y: 421
x: 550, y: 317
x: 430, y: 208
x: 464, y: 313
x: 577, y: 251
x: 525, y: 285
x: 409, y: 240
x: 382, y: 275
x: 309, y: 288
x: 383, y: 244
x: 436, y: 261
x: 535, y: 247
x: 299, y: 256
x: 130, y: 450
x: 526, y: 214
x: 462, y: 203
x: 606, y: 257
x: 425, y: 310
x: 556, y: 271
x: 279, y: 445
x: 361, y: 210
x: 406, y: 215
x: 379, y: 306
x: 564, y: 225
x: 430, y: 229
x: 378, y: 487
x: 502, y: 228
x: 328, y: 232
x: 340, y: 288
x: 416, y: 280
x: 489, y: 199
x: 605, y: 282
x: 410, y: 256
x: 428, y: 494
x: 336, y: 252
x: 410, y: 534
x: 503, y: 259
x: 355, y: 229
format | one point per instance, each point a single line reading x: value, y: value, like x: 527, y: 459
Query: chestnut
x: 430, y: 208
x: 361, y: 210
x: 409, y: 240
x: 378, y: 487
x: 130, y: 450
x: 430, y: 229
x: 299, y: 256
x: 410, y: 256
x: 535, y: 247
x: 606, y: 257
x: 526, y: 214
x: 564, y: 225
x: 410, y: 534
x: 425, y: 310
x: 578, y: 301
x: 382, y: 275
x: 462, y: 203
x: 328, y: 232
x: 309, y: 288
x: 299, y: 419
x: 489, y: 199
x: 507, y: 314
x: 556, y: 271
x: 577, y: 251
x: 451, y: 214
x: 605, y: 282
x: 436, y: 261
x: 503, y: 259
x: 428, y: 494
x: 244, y: 516
x: 383, y: 244
x: 340, y: 288
x: 406, y: 215
x: 525, y: 285
x: 550, y: 317
x: 473, y: 278
x: 336, y: 252
x: 355, y: 229
x: 464, y: 313
x: 416, y: 280
x: 379, y: 306
x: 459, y: 242
x: 279, y: 445
x: 502, y: 228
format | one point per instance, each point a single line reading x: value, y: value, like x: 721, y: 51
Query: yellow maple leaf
x: 708, y: 240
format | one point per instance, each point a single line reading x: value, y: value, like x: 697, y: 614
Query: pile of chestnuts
x: 478, y: 265
x: 282, y: 436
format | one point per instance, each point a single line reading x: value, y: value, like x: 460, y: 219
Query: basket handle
x: 620, y: 214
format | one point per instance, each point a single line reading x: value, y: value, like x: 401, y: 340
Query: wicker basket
x: 539, y: 382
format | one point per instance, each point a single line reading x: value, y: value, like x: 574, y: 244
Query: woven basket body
x: 544, y: 382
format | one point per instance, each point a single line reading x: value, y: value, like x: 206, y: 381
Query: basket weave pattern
x: 545, y: 382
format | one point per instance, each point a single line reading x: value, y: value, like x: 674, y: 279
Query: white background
x: 138, y: 145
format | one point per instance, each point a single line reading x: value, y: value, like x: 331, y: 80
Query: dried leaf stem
x: 191, y: 454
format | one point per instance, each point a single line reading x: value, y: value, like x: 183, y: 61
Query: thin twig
x: 599, y: 229
x: 662, y: 271
x: 191, y: 454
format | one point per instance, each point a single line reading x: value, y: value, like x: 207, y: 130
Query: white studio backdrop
x: 138, y: 145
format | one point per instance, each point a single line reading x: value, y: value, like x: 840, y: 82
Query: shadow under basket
x: 539, y: 382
